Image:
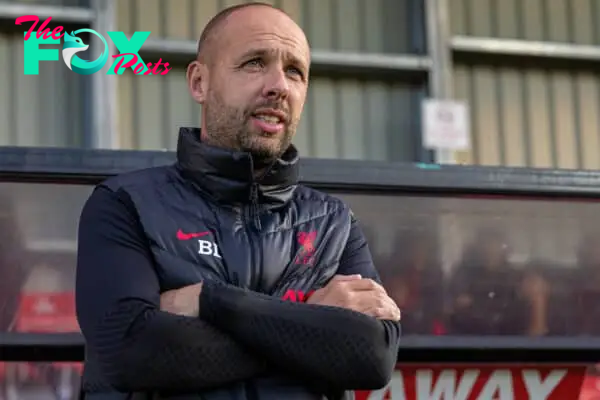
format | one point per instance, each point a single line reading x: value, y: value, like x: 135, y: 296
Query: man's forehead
x: 257, y: 16
x: 246, y: 26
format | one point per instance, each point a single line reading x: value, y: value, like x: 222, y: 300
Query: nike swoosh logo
x: 187, y: 236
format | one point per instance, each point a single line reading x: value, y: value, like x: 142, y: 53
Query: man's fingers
x: 387, y: 311
x: 387, y: 314
x: 395, y: 312
x: 377, y: 305
x: 362, y: 285
x: 344, y: 278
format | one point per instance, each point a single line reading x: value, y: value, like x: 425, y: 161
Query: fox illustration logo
x: 73, y: 45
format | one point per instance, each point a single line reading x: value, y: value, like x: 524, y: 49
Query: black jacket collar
x: 228, y: 176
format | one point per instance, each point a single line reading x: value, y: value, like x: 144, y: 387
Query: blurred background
x: 526, y: 71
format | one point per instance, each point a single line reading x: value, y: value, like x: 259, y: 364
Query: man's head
x: 251, y: 78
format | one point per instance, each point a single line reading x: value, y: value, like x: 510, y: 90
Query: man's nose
x: 276, y: 85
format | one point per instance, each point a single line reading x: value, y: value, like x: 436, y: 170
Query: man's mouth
x: 270, y: 120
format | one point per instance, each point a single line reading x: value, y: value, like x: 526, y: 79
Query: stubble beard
x: 229, y: 127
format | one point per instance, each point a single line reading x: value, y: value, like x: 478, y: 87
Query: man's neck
x: 261, y: 165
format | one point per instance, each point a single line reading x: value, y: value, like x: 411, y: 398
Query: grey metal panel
x: 153, y: 108
x: 440, y: 77
x: 403, y: 116
x: 380, y: 26
x: 39, y: 110
x: 321, y: 115
x: 347, y: 21
x: 126, y: 110
x: 531, y: 117
x: 541, y: 118
x: 59, y: 11
x: 351, y: 134
x: 7, y: 127
x: 150, y: 106
x: 66, y: 3
x: 515, y: 47
x: 563, y: 21
x: 103, y: 91
x: 356, y: 25
x: 361, y: 120
x: 375, y: 119
x: 303, y: 138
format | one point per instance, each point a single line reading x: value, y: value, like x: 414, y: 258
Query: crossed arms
x: 142, y: 348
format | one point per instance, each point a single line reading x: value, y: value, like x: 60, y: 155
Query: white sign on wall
x: 446, y: 125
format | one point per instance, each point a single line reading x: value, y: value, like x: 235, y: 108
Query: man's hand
x: 183, y: 301
x: 361, y: 295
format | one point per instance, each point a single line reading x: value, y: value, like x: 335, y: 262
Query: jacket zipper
x: 254, y: 206
x: 252, y: 224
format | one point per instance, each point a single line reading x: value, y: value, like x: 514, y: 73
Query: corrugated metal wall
x: 541, y: 117
x: 69, y: 3
x: 42, y: 110
x: 381, y: 26
x: 344, y: 118
x: 565, y: 21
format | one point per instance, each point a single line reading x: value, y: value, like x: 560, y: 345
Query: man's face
x: 257, y: 84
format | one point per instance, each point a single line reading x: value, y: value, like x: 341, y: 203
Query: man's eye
x: 254, y: 63
x: 295, y: 71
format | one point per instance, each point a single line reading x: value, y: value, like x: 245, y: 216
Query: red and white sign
x: 47, y: 313
x: 488, y: 382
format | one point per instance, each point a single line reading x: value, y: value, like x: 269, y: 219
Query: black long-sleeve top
x: 239, y: 334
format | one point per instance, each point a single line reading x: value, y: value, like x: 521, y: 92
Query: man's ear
x: 197, y: 80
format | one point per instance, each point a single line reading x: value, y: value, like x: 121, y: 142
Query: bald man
x: 221, y: 277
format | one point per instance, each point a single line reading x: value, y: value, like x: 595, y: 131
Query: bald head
x: 208, y: 42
